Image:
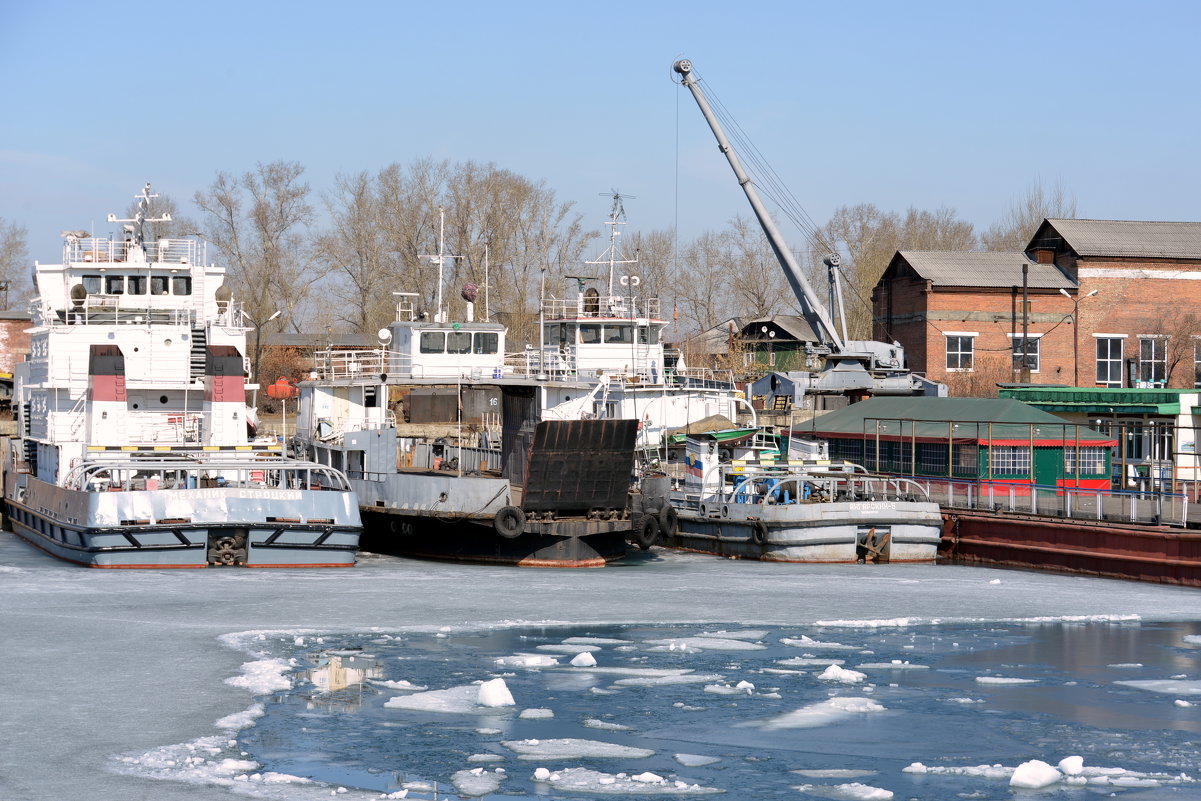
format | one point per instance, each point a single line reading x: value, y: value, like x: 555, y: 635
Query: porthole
x: 162, y: 398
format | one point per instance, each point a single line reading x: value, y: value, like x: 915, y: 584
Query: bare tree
x: 1180, y: 327
x: 258, y: 221
x: 867, y: 237
x: 357, y: 248
x: 1026, y: 212
x: 14, y: 257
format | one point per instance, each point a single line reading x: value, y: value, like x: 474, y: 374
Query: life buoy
x: 647, y: 533
x: 669, y: 521
x: 759, y: 532
x: 509, y: 522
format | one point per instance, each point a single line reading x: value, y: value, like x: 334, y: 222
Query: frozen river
x: 114, y: 676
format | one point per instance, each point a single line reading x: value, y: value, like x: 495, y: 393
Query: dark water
x: 938, y: 714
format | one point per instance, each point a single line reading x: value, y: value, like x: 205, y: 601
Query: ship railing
x: 624, y: 307
x: 110, y: 310
x: 166, y: 473
x: 800, y: 481
x: 561, y: 364
x: 100, y: 250
x: 353, y: 364
x: 1140, y: 506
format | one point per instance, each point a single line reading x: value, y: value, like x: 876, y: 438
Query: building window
x: 1092, y: 460
x: 1030, y: 350
x: 1011, y: 460
x: 960, y: 350
x: 1109, y: 361
x: 486, y: 342
x: 1153, y: 360
x: 1197, y: 362
x: 433, y: 341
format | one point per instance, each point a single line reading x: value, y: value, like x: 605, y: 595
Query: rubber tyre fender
x: 759, y: 532
x: 647, y: 533
x: 509, y: 522
x: 669, y: 521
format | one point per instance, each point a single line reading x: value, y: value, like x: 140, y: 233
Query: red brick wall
x: 1155, y: 300
x: 14, y: 343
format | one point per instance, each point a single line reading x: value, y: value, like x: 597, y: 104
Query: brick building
x: 14, y: 339
x: 1095, y: 294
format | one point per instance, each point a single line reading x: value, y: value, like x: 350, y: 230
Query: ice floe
x: 808, y: 642
x: 527, y: 661
x: 1005, y: 680
x: 401, y: 684
x: 834, y: 773
x: 1170, y: 686
x: 802, y: 661
x: 568, y: 648
x: 536, y: 714
x: 1071, y: 771
x: 675, y: 678
x: 583, y: 659
x: 847, y: 792
x: 822, y: 713
x: 605, y: 725
x: 741, y: 688
x: 705, y: 644
x: 842, y: 675
x: 495, y: 693
x: 696, y: 760
x: 476, y: 781
x: 583, y: 780
x: 573, y: 748
x: 263, y: 676
x: 895, y: 664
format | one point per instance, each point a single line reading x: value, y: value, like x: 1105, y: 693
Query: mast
x: 617, y: 214
x: 815, y: 314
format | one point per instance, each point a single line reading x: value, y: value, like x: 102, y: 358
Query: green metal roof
x: 964, y: 418
x: 1101, y: 400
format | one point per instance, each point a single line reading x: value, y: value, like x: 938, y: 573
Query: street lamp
x: 1076, y: 332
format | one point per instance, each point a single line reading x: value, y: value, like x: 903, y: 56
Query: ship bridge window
x: 590, y: 334
x: 114, y: 285
x: 648, y: 335
x: 458, y: 342
x: 158, y: 285
x: 486, y: 342
x: 433, y: 341
x: 92, y: 284
x: 135, y: 284
x: 620, y: 334
x: 181, y: 285
x: 560, y: 334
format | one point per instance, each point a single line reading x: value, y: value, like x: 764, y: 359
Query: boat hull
x: 558, y: 543
x: 892, y: 531
x: 186, y: 528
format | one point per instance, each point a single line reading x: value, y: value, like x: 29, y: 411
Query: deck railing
x: 602, y: 306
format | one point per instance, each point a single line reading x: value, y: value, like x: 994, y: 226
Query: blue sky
x: 897, y: 104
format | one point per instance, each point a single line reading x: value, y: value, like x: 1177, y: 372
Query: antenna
x: 439, y: 259
x: 141, y: 217
x: 617, y: 215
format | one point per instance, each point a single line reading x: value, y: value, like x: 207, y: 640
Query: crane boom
x: 814, y: 312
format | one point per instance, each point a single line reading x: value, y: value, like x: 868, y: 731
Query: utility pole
x: 1076, y: 332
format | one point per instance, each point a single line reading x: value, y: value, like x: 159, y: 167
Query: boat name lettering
x: 260, y: 494
x: 874, y: 506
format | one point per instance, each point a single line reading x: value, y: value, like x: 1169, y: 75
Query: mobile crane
x: 856, y: 368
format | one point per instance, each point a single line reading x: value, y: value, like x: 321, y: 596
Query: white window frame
x: 970, y: 352
x: 1038, y: 351
x: 1161, y: 361
x: 1121, y: 360
x: 1196, y: 362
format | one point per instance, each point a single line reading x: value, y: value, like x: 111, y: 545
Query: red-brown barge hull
x: 1142, y: 553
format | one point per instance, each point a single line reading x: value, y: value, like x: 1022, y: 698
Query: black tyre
x: 669, y: 521
x: 647, y: 533
x: 509, y: 522
x: 759, y: 532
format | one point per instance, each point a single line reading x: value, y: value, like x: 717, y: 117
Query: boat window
x: 158, y: 285
x: 458, y: 342
x: 135, y: 284
x: 92, y: 284
x: 181, y: 285
x: 590, y: 334
x: 114, y: 285
x: 621, y: 334
x: 486, y: 342
x: 433, y: 341
x: 648, y: 335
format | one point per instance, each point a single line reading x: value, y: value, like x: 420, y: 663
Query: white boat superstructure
x: 133, y: 448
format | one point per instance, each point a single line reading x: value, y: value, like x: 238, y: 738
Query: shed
x: 965, y: 438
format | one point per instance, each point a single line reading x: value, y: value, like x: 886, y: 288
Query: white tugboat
x: 132, y: 447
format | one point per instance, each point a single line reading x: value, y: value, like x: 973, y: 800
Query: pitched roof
x: 969, y: 419
x: 1169, y: 240
x: 977, y: 268
x: 793, y: 324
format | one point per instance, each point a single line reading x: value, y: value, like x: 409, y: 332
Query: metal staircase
x: 199, y: 352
